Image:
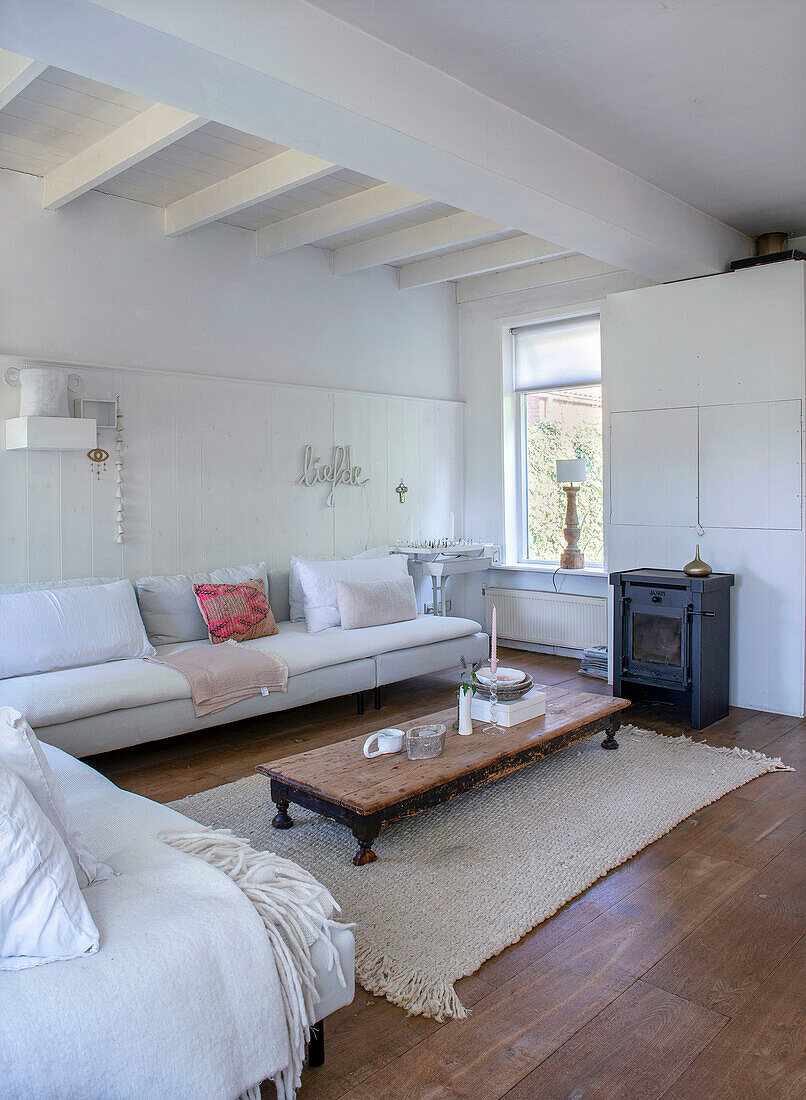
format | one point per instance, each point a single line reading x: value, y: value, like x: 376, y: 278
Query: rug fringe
x: 295, y: 909
x: 419, y: 992
x: 773, y: 763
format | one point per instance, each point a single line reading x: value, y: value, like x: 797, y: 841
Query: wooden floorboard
x: 733, y: 951
x: 681, y: 974
x: 633, y: 1050
x: 761, y: 1053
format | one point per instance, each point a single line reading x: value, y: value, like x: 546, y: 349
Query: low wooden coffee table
x: 339, y: 782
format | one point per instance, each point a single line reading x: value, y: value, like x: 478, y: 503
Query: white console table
x: 441, y: 563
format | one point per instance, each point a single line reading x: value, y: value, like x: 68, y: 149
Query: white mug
x: 389, y: 740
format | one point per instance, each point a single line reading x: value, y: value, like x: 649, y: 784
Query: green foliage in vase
x: 468, y: 683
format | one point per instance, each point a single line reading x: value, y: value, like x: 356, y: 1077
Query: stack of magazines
x: 594, y: 662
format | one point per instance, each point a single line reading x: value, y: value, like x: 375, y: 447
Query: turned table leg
x: 365, y: 835
x: 610, y: 741
x: 281, y: 819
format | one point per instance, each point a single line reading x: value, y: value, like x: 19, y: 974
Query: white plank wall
x: 210, y: 478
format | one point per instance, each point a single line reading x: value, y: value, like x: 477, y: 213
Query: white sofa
x: 182, y: 998
x: 126, y: 702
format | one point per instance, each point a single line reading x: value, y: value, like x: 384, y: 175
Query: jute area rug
x: 457, y: 884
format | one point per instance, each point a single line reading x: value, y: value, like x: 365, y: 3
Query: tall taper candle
x: 494, y: 646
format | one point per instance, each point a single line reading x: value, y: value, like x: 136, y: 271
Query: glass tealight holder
x: 425, y: 742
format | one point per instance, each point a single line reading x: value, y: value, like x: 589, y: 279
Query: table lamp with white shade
x: 571, y: 474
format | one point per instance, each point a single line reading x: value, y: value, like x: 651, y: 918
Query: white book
x: 530, y: 705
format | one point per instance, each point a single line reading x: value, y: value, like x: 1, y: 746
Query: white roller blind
x: 558, y: 353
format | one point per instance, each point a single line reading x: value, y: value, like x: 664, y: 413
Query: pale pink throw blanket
x: 220, y: 675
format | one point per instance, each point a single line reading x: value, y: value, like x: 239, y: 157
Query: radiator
x: 548, y: 618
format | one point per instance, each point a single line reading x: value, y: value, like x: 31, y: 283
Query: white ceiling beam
x: 129, y: 144
x: 513, y: 252
x: 263, y: 181
x: 562, y: 270
x: 372, y: 205
x: 414, y: 240
x: 16, y: 73
x: 293, y: 74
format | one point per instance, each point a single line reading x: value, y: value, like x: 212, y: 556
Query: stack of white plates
x: 512, y: 683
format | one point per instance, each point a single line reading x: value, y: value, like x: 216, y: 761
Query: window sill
x: 539, y: 567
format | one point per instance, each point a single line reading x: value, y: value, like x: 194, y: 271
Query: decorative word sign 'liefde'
x: 339, y: 471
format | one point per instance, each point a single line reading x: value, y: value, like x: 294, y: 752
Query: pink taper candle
x: 494, y: 646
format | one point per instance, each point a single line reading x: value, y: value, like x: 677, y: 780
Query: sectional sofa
x: 183, y: 996
x: 100, y: 707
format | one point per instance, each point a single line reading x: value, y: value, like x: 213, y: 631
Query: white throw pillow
x: 70, y: 627
x: 296, y: 597
x: 320, y: 580
x: 168, y: 604
x: 21, y: 753
x: 375, y: 603
x: 43, y: 914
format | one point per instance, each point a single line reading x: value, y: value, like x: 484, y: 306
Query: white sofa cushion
x: 40, y: 586
x: 319, y: 580
x: 22, y: 754
x: 296, y: 597
x: 168, y: 604
x: 70, y: 627
x: 375, y: 603
x: 66, y: 696
x: 43, y: 914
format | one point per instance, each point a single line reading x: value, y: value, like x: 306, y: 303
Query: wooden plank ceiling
x: 79, y: 135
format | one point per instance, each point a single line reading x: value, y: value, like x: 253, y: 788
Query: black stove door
x: 656, y: 642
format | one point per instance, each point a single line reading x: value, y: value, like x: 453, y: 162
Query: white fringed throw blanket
x: 220, y: 675
x: 295, y: 910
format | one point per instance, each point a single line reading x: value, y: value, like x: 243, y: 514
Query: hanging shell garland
x: 119, y: 474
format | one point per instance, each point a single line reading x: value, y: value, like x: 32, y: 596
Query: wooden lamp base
x: 572, y: 557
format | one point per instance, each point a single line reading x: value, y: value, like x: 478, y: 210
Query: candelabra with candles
x: 494, y: 726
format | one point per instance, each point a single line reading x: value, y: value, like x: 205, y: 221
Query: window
x: 558, y: 384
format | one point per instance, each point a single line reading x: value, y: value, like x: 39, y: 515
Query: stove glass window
x: 656, y: 639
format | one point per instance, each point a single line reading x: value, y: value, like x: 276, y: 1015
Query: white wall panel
x: 163, y: 488
x: 766, y: 616
x: 189, y: 481
x: 653, y: 467
x: 750, y: 465
x: 730, y: 338
x: 211, y: 471
x: 44, y: 542
x: 75, y: 492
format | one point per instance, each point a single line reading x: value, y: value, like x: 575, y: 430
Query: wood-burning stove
x: 671, y: 640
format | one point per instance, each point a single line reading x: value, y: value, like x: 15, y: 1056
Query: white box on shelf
x: 50, y: 433
x: 531, y: 705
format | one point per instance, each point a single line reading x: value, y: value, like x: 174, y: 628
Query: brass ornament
x: 99, y: 458
x: 697, y: 567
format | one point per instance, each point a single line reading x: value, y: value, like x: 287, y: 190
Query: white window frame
x: 514, y: 405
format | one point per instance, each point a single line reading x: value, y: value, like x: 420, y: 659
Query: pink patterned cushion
x: 235, y: 611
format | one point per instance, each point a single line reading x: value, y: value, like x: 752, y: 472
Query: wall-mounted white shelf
x: 50, y: 433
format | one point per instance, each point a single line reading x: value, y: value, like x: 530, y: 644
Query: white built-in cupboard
x: 704, y: 386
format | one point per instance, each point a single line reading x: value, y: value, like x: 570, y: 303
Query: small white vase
x: 465, y: 721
